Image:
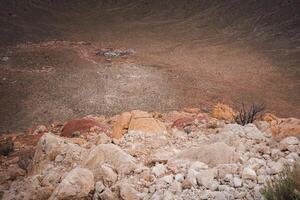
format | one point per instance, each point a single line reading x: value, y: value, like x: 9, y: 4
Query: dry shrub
x: 286, y: 186
x: 246, y: 116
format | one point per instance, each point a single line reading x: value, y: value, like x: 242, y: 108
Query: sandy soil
x: 188, y: 53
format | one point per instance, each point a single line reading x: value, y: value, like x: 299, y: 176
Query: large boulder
x: 121, y: 123
x: 144, y: 122
x: 127, y: 192
x: 105, y: 174
x: 52, y: 149
x: 223, y: 112
x: 81, y: 125
x: 211, y: 154
x: 27, y: 189
x: 288, y: 141
x: 76, y: 185
x: 113, y: 155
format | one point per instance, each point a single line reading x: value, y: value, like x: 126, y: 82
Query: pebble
x: 159, y: 170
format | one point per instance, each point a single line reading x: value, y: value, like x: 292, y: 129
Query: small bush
x: 285, y: 187
x: 245, y: 116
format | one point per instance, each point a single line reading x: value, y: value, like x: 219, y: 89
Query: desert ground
x: 59, y: 59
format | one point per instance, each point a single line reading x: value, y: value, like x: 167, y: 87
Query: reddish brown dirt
x: 187, y: 54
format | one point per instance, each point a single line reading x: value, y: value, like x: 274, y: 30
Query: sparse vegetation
x: 285, y: 187
x: 245, y: 116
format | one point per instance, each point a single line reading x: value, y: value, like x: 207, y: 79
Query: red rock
x: 202, y: 118
x: 183, y: 122
x: 80, y: 125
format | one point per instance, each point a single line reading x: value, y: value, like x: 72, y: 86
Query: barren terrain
x: 183, y: 53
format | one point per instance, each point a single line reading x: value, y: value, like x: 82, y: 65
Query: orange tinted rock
x: 186, y: 184
x: 268, y: 117
x: 121, y: 123
x: 147, y: 125
x: 80, y: 125
x: 140, y: 114
x: 282, y: 128
x: 192, y: 110
x: 223, y: 112
x: 144, y: 122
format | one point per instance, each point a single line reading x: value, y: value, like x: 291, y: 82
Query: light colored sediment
x: 207, y: 159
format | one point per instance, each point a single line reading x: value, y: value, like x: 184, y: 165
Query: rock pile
x: 150, y: 156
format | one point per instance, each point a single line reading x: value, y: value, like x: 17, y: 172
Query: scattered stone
x: 276, y: 167
x: 237, y: 182
x: 293, y: 156
x: 113, y: 155
x: 219, y: 195
x: 205, y: 177
x: 253, y: 133
x: 102, y: 138
x: 99, y: 187
x: 4, y: 58
x: 159, y: 170
x: 191, y: 176
x: 40, y: 129
x: 161, y: 156
x: 52, y: 148
x: 228, y: 162
x: 205, y: 194
x: 107, y: 194
x: 179, y: 177
x: 212, y: 154
x: 6, y: 146
x: 249, y: 173
x: 287, y: 142
x: 25, y: 160
x: 112, y: 53
x: 106, y: 174
x: 198, y: 166
x: 186, y: 184
x: 224, y: 169
x: 261, y: 179
x: 168, y: 179
x: 168, y: 195
x: 127, y: 192
x: 77, y: 185
x: 175, y: 187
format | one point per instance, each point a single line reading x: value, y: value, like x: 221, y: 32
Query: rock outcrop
x: 282, y: 128
x: 179, y: 155
x: 112, y: 155
x: 76, y: 185
x: 223, y: 112
x: 144, y: 122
